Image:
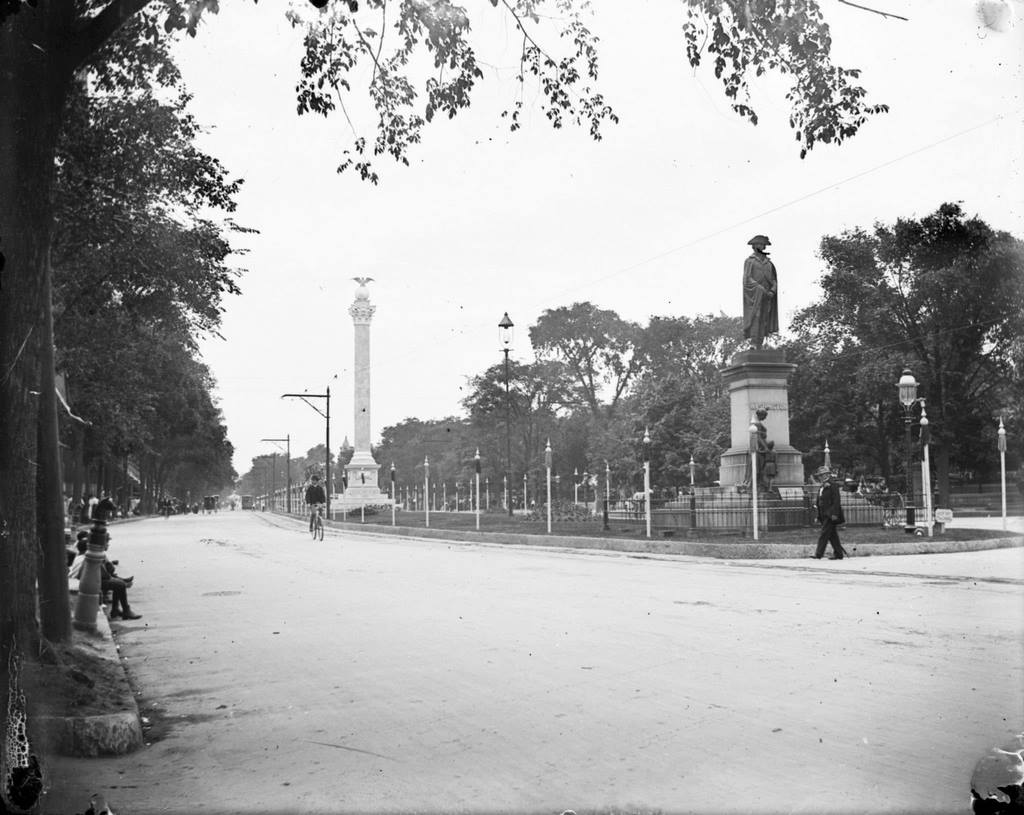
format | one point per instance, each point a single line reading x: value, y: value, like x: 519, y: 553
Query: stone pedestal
x: 760, y: 379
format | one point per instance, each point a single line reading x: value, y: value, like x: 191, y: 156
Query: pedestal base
x: 362, y: 490
x: 356, y: 497
x: 735, y: 467
x: 759, y: 379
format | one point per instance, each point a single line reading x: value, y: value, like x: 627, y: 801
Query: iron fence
x: 714, y: 510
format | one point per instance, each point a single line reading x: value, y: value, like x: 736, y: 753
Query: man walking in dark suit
x: 830, y: 514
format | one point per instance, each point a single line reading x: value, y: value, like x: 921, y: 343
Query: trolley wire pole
x: 305, y: 397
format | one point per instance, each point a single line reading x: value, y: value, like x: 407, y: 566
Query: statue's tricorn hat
x: 759, y: 239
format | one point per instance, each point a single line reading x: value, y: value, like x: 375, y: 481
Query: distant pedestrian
x: 830, y: 514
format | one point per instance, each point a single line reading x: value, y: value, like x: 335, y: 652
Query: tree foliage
x: 790, y: 37
x: 597, y: 347
x: 141, y: 269
x: 942, y: 295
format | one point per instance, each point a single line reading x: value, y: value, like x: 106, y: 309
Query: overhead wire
x: 791, y: 202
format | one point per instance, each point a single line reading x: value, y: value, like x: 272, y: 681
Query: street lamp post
x: 394, y: 495
x: 753, y: 471
x: 288, y: 468
x: 926, y: 470
x: 907, y: 387
x: 547, y: 466
x: 505, y: 337
x: 273, y: 481
x: 426, y: 490
x: 647, y: 479
x: 305, y: 397
x: 476, y: 461
x: 1001, y: 435
x: 607, y: 495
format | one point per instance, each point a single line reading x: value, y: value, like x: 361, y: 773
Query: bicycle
x: 317, y: 528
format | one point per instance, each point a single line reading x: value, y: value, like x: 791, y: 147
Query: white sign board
x: 943, y: 516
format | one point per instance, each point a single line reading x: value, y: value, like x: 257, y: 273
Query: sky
x: 651, y: 221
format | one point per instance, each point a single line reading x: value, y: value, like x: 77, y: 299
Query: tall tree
x: 680, y: 394
x: 598, y: 348
x: 538, y: 394
x: 945, y: 294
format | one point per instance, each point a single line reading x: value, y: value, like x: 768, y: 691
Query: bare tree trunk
x: 33, y: 84
x: 54, y: 604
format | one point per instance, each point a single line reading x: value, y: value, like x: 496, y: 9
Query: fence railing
x: 713, y: 510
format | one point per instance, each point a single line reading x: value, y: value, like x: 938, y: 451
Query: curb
x: 692, y: 548
x: 110, y: 734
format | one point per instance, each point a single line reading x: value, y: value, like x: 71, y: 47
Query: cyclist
x: 314, y: 496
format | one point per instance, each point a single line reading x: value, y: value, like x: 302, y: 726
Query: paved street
x: 377, y: 674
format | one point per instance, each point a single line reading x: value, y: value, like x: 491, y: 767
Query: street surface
x: 378, y: 674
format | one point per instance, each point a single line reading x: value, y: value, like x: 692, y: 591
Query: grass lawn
x: 635, y: 530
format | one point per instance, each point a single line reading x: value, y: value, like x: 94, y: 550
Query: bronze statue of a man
x: 760, y: 294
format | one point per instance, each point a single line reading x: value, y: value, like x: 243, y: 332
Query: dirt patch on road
x: 76, y: 679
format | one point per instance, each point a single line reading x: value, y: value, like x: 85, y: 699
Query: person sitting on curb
x: 109, y: 581
x: 75, y: 567
x: 118, y: 587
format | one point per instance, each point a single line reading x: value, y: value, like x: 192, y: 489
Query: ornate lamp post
x: 926, y: 470
x: 505, y: 337
x: 907, y: 388
x: 647, y: 479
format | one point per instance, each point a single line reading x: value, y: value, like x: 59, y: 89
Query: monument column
x: 361, y: 472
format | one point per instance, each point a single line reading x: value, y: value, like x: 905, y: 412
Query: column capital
x: 362, y: 312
